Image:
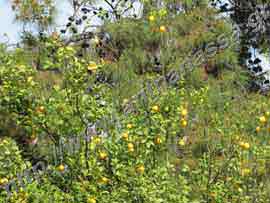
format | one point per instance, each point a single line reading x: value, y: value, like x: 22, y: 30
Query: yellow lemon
x: 258, y: 129
x: 91, y: 200
x: 158, y: 140
x: 162, y: 28
x: 29, y: 79
x: 92, y: 67
x: 130, y: 147
x: 140, y: 169
x: 181, y: 142
x: 103, y: 155
x: 97, y: 140
x: 241, y: 144
x: 125, y: 136
x: 125, y: 101
x: 40, y: 109
x: 183, y: 123
x: 151, y: 18
x: 3, y: 181
x: 228, y: 178
x: 56, y: 87
x: 240, y: 190
x: 131, y: 150
x: 184, y: 112
x: 267, y: 113
x: 21, y: 190
x: 104, y: 180
x: 155, y: 108
x: 245, y: 171
x: 21, y: 66
x: 246, y: 145
x: 61, y: 168
x: 262, y: 119
x: 129, y: 126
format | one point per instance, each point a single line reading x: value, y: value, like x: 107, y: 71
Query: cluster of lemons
x: 263, y: 120
x: 125, y: 136
x: 184, y: 113
x: 4, y: 180
x: 158, y: 13
x: 183, y: 123
x: 162, y: 28
x: 244, y: 145
x: 104, y: 156
x: 156, y: 109
x: 30, y: 81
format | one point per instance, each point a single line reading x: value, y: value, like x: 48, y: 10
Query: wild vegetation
x: 151, y: 108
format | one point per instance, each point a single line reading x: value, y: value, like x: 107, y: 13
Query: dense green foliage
x: 175, y: 122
